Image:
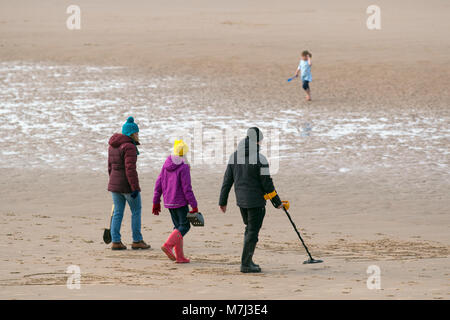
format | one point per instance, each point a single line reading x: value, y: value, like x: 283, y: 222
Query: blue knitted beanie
x: 129, y: 127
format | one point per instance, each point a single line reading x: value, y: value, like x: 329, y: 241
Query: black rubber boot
x: 250, y: 269
x: 247, y: 266
x: 246, y: 240
x: 254, y: 264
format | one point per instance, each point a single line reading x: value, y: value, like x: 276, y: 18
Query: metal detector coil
x: 196, y: 219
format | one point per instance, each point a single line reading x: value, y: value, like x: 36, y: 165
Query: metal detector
x: 311, y: 259
x: 107, y: 232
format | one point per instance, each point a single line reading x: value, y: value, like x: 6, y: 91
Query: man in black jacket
x: 249, y: 171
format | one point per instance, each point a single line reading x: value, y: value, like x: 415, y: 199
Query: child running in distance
x: 174, y: 184
x: 304, y: 68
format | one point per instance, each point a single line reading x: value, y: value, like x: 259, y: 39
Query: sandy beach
x: 365, y: 165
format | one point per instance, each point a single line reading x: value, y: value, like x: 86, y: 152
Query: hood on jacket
x: 118, y: 139
x: 173, y: 162
x: 244, y: 145
x: 246, y: 150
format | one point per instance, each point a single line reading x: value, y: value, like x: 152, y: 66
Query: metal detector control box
x: 196, y: 219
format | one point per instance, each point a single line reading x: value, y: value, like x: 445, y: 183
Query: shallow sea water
x: 61, y: 116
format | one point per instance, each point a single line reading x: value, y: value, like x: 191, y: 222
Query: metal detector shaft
x: 298, y: 233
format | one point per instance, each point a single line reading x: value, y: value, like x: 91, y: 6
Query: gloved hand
x: 286, y: 204
x: 134, y: 194
x: 156, y: 209
x: 194, y: 210
x: 276, y: 201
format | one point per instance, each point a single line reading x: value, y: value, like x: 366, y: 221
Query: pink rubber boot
x: 167, y: 247
x: 179, y: 249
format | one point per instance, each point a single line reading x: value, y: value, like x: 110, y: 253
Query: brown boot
x: 140, y: 245
x: 118, y: 246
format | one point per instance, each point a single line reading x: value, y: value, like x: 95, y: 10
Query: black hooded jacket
x: 249, y: 171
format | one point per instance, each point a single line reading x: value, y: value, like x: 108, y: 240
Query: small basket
x: 196, y: 219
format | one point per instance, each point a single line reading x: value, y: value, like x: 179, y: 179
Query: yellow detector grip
x: 270, y: 196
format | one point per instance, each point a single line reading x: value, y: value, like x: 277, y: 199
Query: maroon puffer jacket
x: 122, y: 157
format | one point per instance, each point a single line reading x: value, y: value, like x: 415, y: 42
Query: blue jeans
x: 119, y: 200
x: 180, y: 220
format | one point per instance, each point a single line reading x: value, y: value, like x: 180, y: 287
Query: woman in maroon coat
x: 124, y: 183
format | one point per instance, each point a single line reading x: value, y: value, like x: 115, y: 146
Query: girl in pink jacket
x: 174, y: 184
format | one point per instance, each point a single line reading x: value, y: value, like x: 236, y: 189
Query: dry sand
x: 369, y: 186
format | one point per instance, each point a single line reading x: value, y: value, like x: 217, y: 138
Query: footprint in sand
x: 347, y: 290
x: 40, y: 216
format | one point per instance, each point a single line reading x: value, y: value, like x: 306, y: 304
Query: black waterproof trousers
x: 253, y: 219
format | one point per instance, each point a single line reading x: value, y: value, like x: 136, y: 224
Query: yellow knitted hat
x: 180, y: 148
